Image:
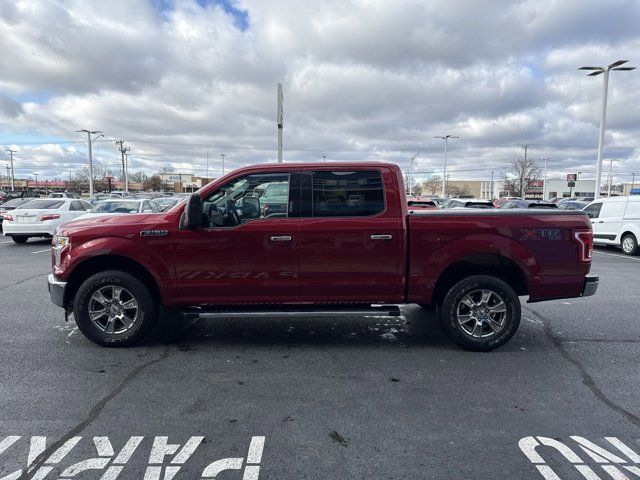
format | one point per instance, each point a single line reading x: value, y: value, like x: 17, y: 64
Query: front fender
x: 156, y: 261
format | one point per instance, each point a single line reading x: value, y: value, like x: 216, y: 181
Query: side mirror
x: 193, y: 212
x: 250, y: 207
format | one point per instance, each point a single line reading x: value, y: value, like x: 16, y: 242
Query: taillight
x: 49, y: 216
x: 585, y: 240
x: 7, y: 217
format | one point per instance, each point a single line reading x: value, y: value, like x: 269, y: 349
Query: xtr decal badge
x: 540, y: 234
x: 154, y: 233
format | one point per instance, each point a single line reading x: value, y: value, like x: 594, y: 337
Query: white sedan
x: 121, y: 206
x: 40, y: 217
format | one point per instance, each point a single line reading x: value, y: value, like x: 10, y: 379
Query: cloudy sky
x: 363, y: 79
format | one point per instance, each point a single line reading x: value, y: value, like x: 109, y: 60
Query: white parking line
x: 616, y: 255
x: 42, y: 251
x: 10, y: 241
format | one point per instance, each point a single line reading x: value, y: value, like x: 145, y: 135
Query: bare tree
x: 153, y: 183
x: 517, y: 178
x: 433, y: 185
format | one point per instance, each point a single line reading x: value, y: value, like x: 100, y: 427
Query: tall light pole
x: 90, y: 140
x: 544, y: 182
x: 13, y: 178
x: 35, y: 174
x: 410, y: 181
x: 444, y: 169
x: 223, y: 155
x: 603, y: 116
x: 491, y: 192
x: 280, y: 121
x: 633, y: 182
x: 610, y: 177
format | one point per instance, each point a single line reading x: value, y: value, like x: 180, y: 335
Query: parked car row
x: 23, y: 218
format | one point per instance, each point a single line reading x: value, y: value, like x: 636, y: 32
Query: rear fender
x: 426, y: 267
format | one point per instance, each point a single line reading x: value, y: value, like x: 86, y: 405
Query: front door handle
x: 601, y: 221
x: 380, y: 237
x: 281, y: 238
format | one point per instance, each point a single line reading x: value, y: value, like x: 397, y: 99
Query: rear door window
x: 347, y: 194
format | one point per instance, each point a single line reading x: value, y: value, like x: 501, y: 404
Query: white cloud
x: 363, y: 79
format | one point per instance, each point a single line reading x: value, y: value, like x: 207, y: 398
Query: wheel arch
x: 491, y: 264
x: 100, y: 263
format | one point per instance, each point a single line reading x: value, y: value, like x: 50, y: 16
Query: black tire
x: 146, y: 311
x: 19, y: 238
x: 489, y: 329
x: 629, y: 244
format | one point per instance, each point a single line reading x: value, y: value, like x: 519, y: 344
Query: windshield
x: 117, y: 207
x: 41, y: 205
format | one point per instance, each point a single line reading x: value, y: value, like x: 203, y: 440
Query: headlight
x: 60, y: 242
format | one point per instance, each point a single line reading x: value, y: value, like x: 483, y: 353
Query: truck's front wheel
x: 114, y: 309
x: 480, y: 313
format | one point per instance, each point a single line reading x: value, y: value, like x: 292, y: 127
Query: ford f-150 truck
x: 343, y: 243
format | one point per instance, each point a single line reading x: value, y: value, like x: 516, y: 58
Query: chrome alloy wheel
x: 113, y: 309
x: 628, y: 245
x: 481, y: 313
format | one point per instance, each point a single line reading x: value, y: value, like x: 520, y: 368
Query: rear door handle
x: 281, y: 238
x: 601, y: 221
x: 380, y: 237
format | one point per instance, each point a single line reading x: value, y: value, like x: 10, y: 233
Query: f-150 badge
x: 540, y: 234
x: 154, y: 233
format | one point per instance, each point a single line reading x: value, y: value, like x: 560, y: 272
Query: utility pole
x: 544, y: 182
x: 280, y: 121
x: 8, y: 175
x: 90, y: 140
x: 610, y: 177
x: 126, y: 170
x: 324, y: 158
x: 223, y: 155
x: 123, y: 150
x: 633, y: 181
x: 444, y: 169
x: 207, y: 165
x: 35, y: 174
x: 13, y: 178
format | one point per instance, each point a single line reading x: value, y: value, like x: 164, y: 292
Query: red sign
x: 535, y: 183
x: 572, y: 177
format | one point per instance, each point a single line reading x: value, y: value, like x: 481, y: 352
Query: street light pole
x: 90, y: 140
x: 603, y: 115
x: 610, y: 177
x: 444, y: 169
x: 544, y: 184
x: 491, y: 192
x: 223, y: 155
x: 411, y: 176
x: 13, y: 178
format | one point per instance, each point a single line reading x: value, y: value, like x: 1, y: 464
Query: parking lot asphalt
x: 373, y: 398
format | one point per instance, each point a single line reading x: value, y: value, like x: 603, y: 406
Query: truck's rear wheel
x: 480, y: 313
x: 114, y: 309
x: 629, y: 244
x: 19, y: 238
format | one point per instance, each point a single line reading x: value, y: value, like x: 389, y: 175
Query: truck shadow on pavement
x: 416, y: 327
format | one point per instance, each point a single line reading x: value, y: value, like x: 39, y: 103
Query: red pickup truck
x: 342, y: 243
